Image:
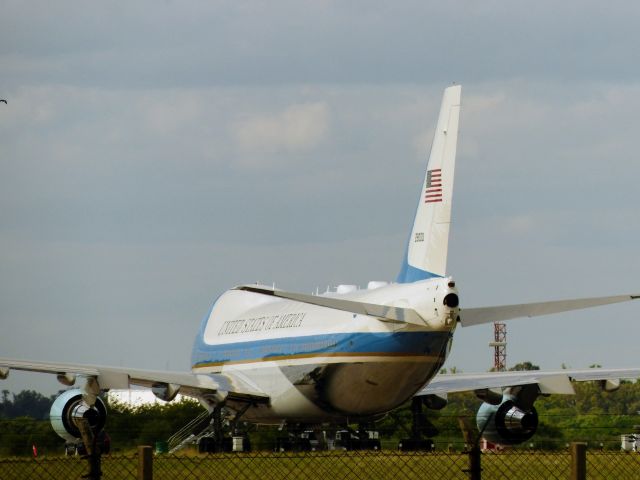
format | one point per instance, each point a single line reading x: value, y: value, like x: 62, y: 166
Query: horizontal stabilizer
x: 478, y: 316
x: 383, y: 312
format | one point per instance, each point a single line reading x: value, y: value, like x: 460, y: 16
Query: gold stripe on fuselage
x: 330, y: 357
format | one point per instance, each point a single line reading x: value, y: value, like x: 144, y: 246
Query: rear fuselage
x: 320, y: 364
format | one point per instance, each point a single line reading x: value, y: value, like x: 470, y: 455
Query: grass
x: 332, y: 466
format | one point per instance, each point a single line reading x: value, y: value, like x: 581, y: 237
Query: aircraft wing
x: 549, y: 382
x: 478, y: 316
x: 191, y: 384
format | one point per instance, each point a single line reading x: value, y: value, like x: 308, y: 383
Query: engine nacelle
x: 610, y: 385
x: 68, y: 407
x: 507, y: 423
x: 435, y: 402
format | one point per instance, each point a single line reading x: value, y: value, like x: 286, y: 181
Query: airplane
x: 351, y: 356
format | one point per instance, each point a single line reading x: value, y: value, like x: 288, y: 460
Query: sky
x: 155, y: 154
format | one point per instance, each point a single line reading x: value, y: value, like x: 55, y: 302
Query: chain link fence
x: 332, y: 465
x: 607, y: 465
x: 55, y: 468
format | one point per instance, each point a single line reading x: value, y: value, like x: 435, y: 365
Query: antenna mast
x: 499, y: 345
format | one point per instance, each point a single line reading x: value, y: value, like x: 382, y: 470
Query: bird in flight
x: 3, y: 100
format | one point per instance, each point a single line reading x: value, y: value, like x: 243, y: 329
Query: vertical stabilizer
x: 426, y: 255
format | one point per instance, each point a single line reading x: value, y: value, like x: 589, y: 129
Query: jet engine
x: 511, y: 421
x: 70, y: 407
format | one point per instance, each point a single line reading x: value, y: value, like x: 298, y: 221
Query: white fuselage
x: 320, y: 364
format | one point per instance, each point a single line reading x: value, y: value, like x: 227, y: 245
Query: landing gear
x: 420, y: 427
x: 301, y: 439
x: 216, y: 441
x: 366, y: 438
x: 294, y: 443
x: 228, y: 444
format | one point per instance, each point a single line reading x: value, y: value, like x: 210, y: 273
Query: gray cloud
x: 153, y: 44
x: 152, y: 155
x: 296, y: 129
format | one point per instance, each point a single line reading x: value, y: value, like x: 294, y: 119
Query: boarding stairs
x: 191, y: 433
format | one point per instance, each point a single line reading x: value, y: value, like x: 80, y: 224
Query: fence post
x: 578, y: 461
x: 475, y: 468
x: 145, y: 463
x: 473, y: 449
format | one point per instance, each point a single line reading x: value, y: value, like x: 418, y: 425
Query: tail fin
x: 426, y: 255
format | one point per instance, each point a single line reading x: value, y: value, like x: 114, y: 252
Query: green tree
x: 27, y: 403
x: 128, y: 426
x: 18, y: 435
x: 524, y: 366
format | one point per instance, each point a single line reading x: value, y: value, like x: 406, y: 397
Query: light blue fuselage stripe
x: 409, y: 274
x: 399, y: 343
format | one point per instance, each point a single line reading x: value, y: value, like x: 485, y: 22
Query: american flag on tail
x: 433, y: 192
